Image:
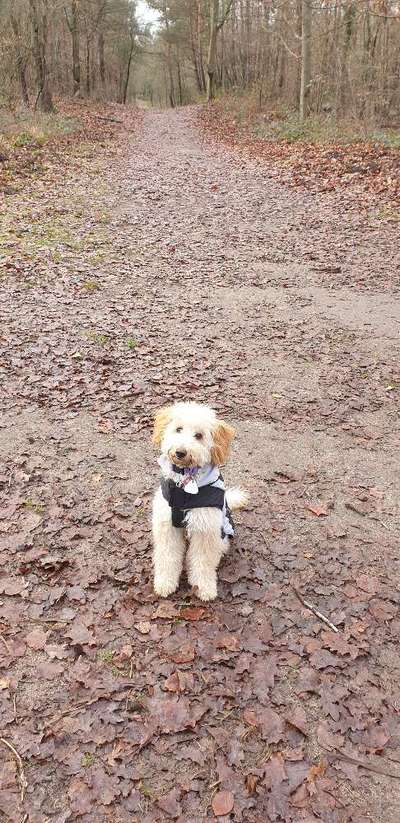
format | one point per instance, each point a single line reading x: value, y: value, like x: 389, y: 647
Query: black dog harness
x: 208, y: 495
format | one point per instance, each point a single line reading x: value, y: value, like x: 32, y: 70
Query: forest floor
x: 142, y: 269
x: 320, y: 155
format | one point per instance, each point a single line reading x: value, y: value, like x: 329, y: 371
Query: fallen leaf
x: 229, y: 642
x: 317, y: 771
x: 165, y: 610
x: 80, y: 634
x: 327, y: 739
x: 169, y: 803
x: 321, y: 659
x: 222, y: 803
x: 368, y: 583
x: 179, y: 681
x: 185, y: 654
x: 375, y: 739
x: 317, y: 509
x: 12, y: 585
x: 271, y: 725
x: 80, y: 796
x: 173, y: 714
x: 251, y: 783
x: 298, y: 719
x: 192, y: 613
x: 144, y: 627
x: 250, y: 717
x: 126, y: 652
x: 36, y: 639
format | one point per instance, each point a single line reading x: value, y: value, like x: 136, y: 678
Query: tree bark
x: 102, y: 64
x: 215, y: 27
x: 39, y: 29
x: 180, y: 89
x: 127, y: 73
x: 196, y: 46
x: 305, y: 58
x: 21, y: 59
x: 348, y: 22
x: 212, y: 50
x: 87, y: 61
x: 73, y: 25
x: 172, y: 96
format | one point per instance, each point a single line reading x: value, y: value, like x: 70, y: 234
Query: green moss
x: 87, y: 759
x: 30, y: 504
x: 90, y: 285
x: 105, y: 655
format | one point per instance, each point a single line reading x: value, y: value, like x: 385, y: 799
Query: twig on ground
x: 84, y: 704
x: 371, y: 767
x: 109, y: 119
x: 6, y: 644
x: 41, y: 620
x: 314, y: 610
x: 385, y: 526
x: 23, y: 783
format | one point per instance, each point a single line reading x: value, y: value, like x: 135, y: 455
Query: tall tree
x: 39, y: 17
x: 133, y: 31
x: 21, y: 56
x: 72, y: 18
x: 305, y: 58
x: 215, y: 27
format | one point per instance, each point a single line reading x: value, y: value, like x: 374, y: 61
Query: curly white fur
x: 189, y: 434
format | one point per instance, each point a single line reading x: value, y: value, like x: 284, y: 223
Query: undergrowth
x: 266, y: 121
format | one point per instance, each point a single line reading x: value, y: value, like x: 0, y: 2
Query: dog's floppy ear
x: 222, y: 437
x: 161, y: 420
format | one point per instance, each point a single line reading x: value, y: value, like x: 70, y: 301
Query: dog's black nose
x: 181, y: 454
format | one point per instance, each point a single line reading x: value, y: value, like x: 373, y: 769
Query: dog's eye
x: 179, y: 429
x: 198, y: 436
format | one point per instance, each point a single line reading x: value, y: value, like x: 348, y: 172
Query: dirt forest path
x: 176, y: 270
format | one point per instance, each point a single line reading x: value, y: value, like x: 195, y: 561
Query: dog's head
x: 190, y: 434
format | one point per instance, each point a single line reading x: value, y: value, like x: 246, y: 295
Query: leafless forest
x: 338, y: 57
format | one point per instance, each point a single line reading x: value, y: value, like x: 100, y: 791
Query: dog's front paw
x: 164, y: 587
x: 208, y: 592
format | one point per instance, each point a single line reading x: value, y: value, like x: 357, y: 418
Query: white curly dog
x: 191, y: 506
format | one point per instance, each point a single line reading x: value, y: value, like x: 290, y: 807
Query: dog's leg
x: 168, y: 548
x: 205, y: 550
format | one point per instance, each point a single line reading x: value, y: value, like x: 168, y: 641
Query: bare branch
x: 225, y: 15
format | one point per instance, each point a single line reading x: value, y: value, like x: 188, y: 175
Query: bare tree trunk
x: 298, y: 31
x: 178, y: 69
x: 172, y: 97
x: 200, y: 46
x: 127, y: 73
x: 212, y: 49
x: 305, y: 58
x: 195, y: 42
x: 102, y: 64
x: 39, y: 29
x: 21, y: 59
x: 215, y: 27
x: 348, y: 21
x: 87, y: 65
x: 73, y: 25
